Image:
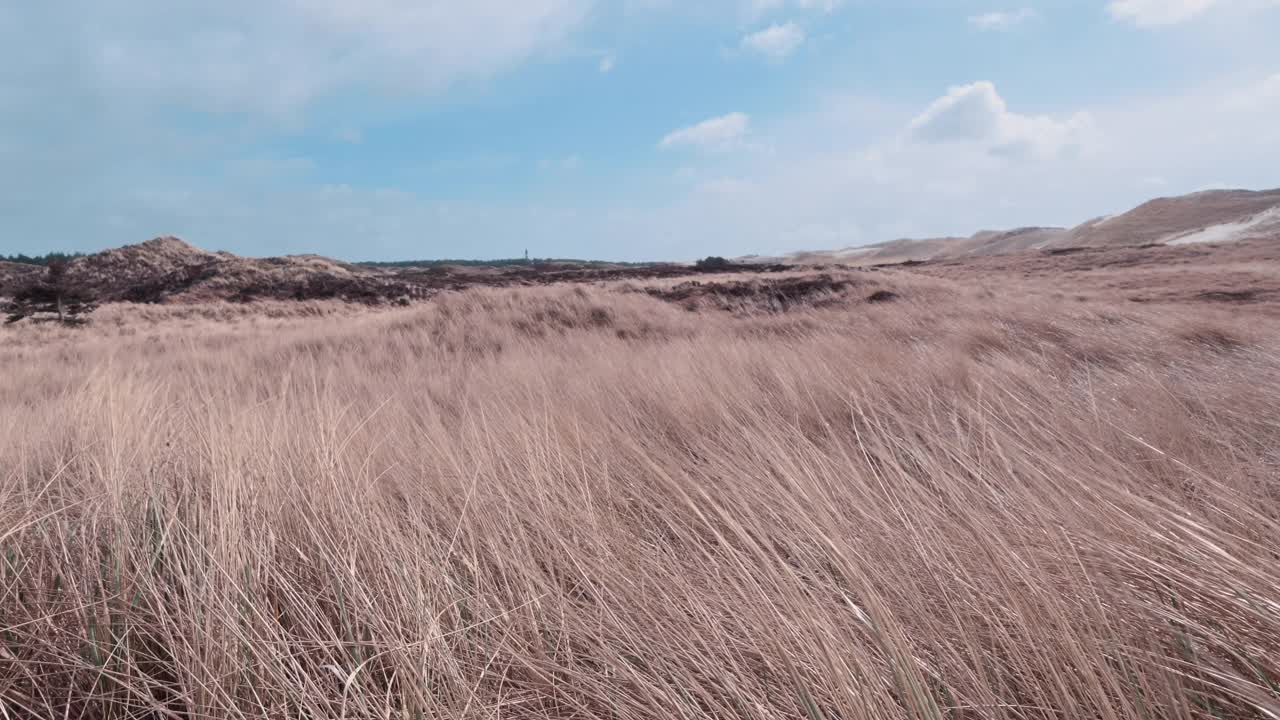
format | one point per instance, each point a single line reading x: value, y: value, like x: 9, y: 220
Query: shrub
x: 712, y: 263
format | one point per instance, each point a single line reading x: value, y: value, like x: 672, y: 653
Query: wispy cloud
x: 1002, y: 20
x: 1151, y: 13
x: 474, y: 163
x: 756, y: 8
x: 281, y: 57
x: 568, y: 162
x: 775, y: 41
x: 713, y: 134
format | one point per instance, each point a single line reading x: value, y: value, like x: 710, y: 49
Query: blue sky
x: 616, y: 129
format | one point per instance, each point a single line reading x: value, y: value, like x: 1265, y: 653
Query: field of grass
x: 594, y: 501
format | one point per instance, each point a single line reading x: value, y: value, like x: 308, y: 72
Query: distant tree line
x: 713, y: 262
x: 500, y: 262
x: 40, y: 259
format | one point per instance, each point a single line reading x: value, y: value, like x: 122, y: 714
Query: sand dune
x: 1209, y: 216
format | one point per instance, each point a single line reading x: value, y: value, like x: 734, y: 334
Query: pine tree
x: 52, y: 294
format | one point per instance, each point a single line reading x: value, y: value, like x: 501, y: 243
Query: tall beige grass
x: 589, y: 503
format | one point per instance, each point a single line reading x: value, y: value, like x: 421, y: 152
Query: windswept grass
x: 593, y: 503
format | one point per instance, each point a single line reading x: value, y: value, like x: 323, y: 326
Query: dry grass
x: 1246, y: 272
x: 592, y: 503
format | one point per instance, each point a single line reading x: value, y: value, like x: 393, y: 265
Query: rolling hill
x: 169, y: 269
x: 1209, y: 216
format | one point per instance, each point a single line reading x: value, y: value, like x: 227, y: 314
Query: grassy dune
x: 588, y: 502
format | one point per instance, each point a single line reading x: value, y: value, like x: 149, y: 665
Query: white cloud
x: 714, y: 134
x: 1149, y: 13
x: 1159, y: 13
x: 607, y: 64
x: 1255, y: 97
x: 279, y: 57
x: 977, y: 114
x: 776, y: 41
x: 1002, y: 20
x: 1269, y: 89
x: 724, y: 186
x: 756, y: 8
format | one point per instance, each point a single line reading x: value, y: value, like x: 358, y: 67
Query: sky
x: 616, y: 129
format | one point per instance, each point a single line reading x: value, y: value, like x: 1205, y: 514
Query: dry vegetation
x: 1239, y: 273
x: 881, y: 495
x: 168, y: 270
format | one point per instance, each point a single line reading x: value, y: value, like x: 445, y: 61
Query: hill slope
x: 1209, y: 216
x: 169, y: 269
x: 1164, y: 219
